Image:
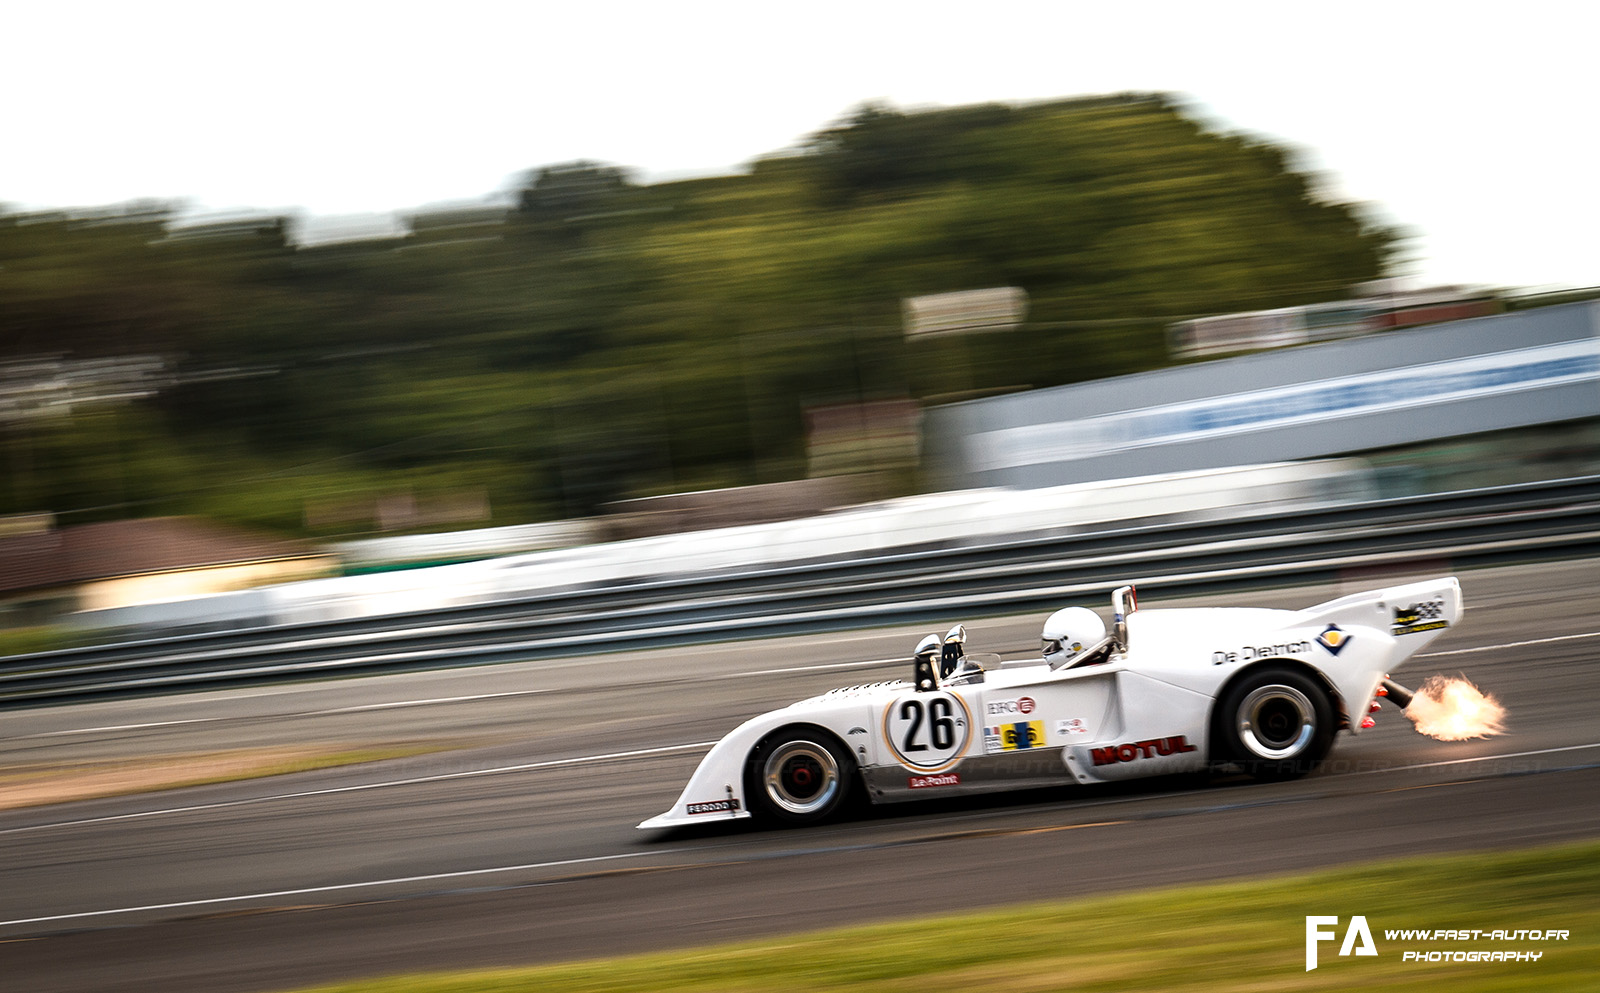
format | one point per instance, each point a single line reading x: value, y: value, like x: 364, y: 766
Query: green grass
x: 1234, y: 936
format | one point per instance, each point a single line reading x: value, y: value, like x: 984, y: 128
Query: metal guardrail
x: 1555, y: 519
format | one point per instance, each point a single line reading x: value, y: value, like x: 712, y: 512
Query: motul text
x: 1141, y: 749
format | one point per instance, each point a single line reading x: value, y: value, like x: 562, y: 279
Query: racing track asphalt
x: 518, y: 846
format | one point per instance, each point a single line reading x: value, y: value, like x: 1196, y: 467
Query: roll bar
x: 1124, y: 601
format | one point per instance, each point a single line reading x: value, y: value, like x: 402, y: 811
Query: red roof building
x: 48, y: 572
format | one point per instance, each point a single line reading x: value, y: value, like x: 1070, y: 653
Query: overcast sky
x: 1471, y: 124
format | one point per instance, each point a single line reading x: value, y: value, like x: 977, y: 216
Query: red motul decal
x: 1149, y: 748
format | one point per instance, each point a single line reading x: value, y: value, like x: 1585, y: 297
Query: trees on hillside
x: 607, y: 339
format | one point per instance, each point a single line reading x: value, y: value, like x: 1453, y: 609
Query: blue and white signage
x: 1395, y: 390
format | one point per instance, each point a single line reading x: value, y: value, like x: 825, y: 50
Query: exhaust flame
x: 1450, y: 708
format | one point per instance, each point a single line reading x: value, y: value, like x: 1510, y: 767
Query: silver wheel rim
x: 1276, y: 722
x: 801, y: 777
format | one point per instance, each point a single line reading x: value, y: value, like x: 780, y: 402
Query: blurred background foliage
x: 601, y: 339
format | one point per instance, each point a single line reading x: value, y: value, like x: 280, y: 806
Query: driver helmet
x: 1068, y: 632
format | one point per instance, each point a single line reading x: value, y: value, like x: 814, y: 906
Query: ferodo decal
x: 714, y: 807
x: 1425, y: 616
x: 1333, y: 638
x: 1134, y: 750
x: 1013, y: 737
x: 927, y: 731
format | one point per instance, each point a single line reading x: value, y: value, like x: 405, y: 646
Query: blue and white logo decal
x: 1333, y: 639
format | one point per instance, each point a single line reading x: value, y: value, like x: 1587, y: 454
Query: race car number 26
x: 927, y: 731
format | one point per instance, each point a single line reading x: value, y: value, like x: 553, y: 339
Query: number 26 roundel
x: 927, y: 731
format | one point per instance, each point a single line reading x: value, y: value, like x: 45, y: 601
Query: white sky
x: 1472, y: 124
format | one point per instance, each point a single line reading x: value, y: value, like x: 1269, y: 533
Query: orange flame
x: 1450, y: 708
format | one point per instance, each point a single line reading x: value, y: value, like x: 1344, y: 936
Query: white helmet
x: 1070, y: 631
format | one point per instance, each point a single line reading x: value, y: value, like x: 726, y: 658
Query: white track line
x: 1512, y: 644
x: 820, y: 667
x: 356, y: 709
x: 462, y: 874
x: 585, y: 759
x: 362, y: 787
x: 312, y: 890
x: 118, y: 727
x: 1481, y: 758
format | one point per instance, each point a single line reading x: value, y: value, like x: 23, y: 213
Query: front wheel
x: 798, y: 776
x: 1277, y: 723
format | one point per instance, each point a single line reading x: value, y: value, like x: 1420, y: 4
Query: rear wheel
x: 798, y: 776
x: 1277, y: 723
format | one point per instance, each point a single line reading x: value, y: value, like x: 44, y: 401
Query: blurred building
x: 1380, y: 306
x: 735, y: 506
x: 863, y: 437
x: 1406, y: 391
x: 48, y: 572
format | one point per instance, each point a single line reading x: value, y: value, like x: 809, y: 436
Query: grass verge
x: 1192, y: 939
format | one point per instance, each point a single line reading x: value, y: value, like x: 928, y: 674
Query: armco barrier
x: 1559, y: 519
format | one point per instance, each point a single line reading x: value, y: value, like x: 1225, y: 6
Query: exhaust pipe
x: 1395, y: 693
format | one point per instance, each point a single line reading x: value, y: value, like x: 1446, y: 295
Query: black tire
x: 1275, y: 722
x: 799, y: 776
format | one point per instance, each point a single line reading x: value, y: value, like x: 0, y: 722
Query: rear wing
x: 1414, y: 613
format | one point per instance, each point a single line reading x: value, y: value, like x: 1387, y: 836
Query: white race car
x: 1167, y: 691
